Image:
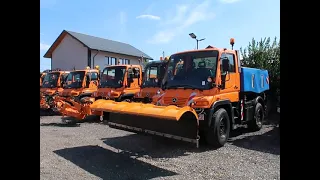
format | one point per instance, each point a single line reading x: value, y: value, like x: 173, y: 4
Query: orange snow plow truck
x: 119, y: 82
x: 152, y: 79
x: 42, y: 74
x: 206, y: 94
x: 52, y: 84
x: 75, y: 99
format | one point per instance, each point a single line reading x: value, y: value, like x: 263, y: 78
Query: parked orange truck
x: 75, y: 99
x: 52, y: 84
x: 118, y: 83
x: 42, y: 74
x: 152, y: 80
x: 206, y: 96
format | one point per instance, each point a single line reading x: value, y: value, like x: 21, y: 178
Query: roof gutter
x: 94, y: 57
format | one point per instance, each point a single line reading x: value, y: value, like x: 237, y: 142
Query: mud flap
x: 168, y: 121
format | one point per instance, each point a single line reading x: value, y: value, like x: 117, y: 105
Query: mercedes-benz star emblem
x: 174, y: 100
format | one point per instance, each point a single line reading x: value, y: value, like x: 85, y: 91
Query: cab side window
x: 94, y: 76
x: 136, y: 72
x: 231, y: 58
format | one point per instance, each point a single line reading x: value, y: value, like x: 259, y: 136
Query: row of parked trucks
x: 190, y: 95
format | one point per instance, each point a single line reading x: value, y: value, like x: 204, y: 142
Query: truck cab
x: 152, y: 80
x: 76, y: 95
x: 119, y: 82
x: 52, y: 84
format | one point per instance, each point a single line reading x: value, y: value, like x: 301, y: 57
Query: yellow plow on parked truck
x: 118, y: 83
x: 52, y: 84
x: 75, y: 99
x: 206, y: 94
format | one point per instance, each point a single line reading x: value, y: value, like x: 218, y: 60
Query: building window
x: 106, y: 60
x: 113, y: 61
x: 124, y: 61
x: 109, y: 61
x: 120, y: 62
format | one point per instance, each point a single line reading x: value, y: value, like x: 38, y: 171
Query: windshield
x: 113, y: 77
x: 153, y: 76
x: 75, y: 79
x: 50, y: 80
x: 191, y: 70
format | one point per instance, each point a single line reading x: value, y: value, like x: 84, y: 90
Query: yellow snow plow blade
x: 170, y: 121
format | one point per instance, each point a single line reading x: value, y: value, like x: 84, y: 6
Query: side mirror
x: 225, y: 64
x: 225, y: 69
x: 131, y: 76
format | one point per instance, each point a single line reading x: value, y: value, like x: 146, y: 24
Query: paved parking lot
x: 92, y: 150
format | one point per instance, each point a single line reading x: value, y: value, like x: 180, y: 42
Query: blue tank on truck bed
x: 254, y: 80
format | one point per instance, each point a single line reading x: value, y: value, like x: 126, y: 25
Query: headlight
x: 158, y: 92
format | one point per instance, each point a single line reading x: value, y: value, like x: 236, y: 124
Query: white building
x: 75, y: 50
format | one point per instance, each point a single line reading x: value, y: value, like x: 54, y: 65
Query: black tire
x: 219, y: 130
x: 256, y: 123
x: 126, y: 100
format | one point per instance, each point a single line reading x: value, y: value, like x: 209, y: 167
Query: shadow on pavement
x: 107, y: 164
x: 60, y: 124
x: 141, y: 145
x: 149, y: 146
x: 268, y: 142
x: 48, y: 112
x: 89, y: 119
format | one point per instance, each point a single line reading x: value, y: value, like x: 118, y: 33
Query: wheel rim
x: 223, y: 128
x: 259, y: 116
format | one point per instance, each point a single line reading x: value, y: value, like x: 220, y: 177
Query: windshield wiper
x: 182, y: 86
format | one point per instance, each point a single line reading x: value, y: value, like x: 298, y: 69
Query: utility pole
x: 163, y: 54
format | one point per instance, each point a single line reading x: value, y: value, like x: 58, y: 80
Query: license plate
x: 201, y: 117
x: 278, y: 110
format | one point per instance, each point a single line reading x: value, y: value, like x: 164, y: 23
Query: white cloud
x: 44, y: 47
x: 123, y: 18
x: 229, y: 1
x: 148, y: 16
x: 123, y: 22
x: 186, y: 16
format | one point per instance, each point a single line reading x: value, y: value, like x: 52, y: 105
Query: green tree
x: 264, y: 55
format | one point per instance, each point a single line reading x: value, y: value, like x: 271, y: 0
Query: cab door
x: 134, y: 77
x: 232, y: 78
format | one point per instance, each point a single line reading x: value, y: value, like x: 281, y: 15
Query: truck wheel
x: 218, y: 132
x: 126, y: 100
x: 256, y: 123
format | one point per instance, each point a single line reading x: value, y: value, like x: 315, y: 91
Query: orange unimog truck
x: 152, y: 80
x: 52, y: 84
x: 42, y: 74
x: 206, y: 98
x: 119, y: 82
x: 75, y: 98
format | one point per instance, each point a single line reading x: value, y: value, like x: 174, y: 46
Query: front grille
x: 179, y: 102
x: 144, y: 94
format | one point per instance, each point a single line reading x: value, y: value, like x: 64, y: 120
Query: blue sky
x: 154, y: 26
